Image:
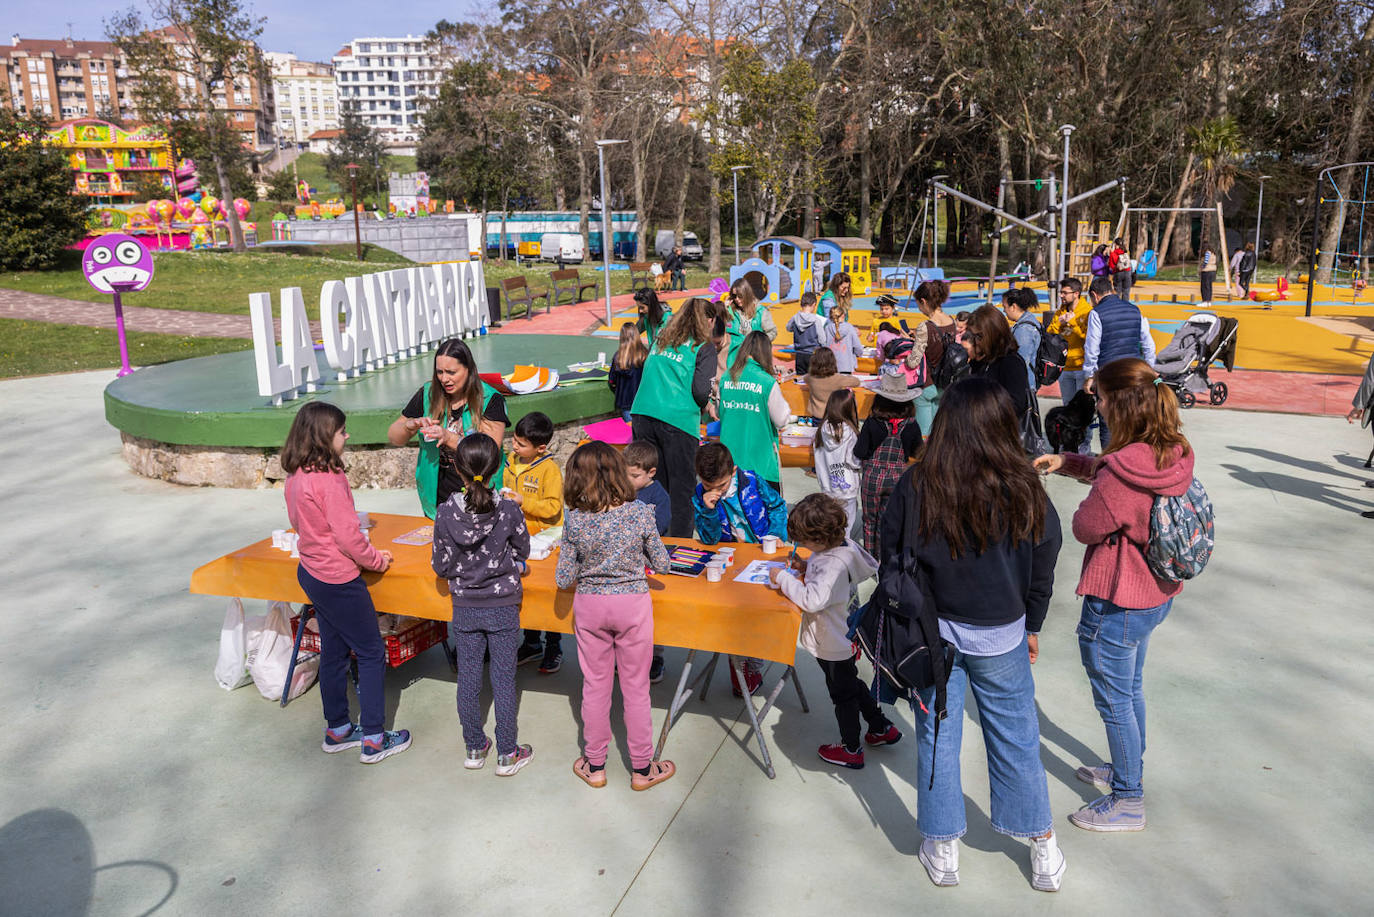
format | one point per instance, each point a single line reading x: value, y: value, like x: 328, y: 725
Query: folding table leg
x: 772, y: 697
x: 710, y: 670
x: 306, y: 611
x: 796, y: 682
x: 753, y: 718
x: 680, y: 695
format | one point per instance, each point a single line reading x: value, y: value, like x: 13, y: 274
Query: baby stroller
x: 1205, y: 338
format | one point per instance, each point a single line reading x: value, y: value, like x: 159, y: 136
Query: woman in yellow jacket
x: 1071, y: 322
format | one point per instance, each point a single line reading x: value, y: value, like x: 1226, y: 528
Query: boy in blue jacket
x: 733, y: 504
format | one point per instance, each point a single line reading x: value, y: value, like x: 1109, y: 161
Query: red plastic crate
x: 405, y: 644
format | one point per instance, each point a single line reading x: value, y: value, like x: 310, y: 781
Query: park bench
x: 641, y: 275
x: 570, y: 282
x: 517, y: 292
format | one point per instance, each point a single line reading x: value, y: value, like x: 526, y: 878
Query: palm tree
x: 1218, y: 146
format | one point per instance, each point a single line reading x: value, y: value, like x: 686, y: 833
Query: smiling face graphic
x: 116, y: 258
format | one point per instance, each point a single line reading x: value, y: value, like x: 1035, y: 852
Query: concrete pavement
x: 133, y: 784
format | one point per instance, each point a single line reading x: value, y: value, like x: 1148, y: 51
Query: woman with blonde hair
x: 1123, y: 601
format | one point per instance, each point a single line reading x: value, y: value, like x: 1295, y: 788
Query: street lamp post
x: 1062, y: 265
x: 357, y: 230
x: 605, y: 222
x: 1259, y: 215
x: 734, y: 178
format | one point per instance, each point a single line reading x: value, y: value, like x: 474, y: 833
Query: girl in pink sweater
x: 1123, y: 602
x: 333, y: 555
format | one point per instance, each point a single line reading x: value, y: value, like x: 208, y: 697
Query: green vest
x: 738, y: 330
x: 745, y: 427
x: 427, y: 466
x: 665, y: 388
x: 651, y: 331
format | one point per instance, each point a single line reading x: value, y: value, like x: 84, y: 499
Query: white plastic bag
x: 231, y: 669
x: 270, y: 654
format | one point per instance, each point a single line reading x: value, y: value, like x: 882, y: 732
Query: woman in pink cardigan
x: 1123, y: 602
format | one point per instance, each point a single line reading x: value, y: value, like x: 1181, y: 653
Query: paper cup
x: 724, y: 560
x: 278, y: 538
x: 364, y: 520
x: 769, y: 543
x: 728, y: 552
x: 714, y: 573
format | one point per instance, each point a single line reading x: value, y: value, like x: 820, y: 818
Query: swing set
x: 1340, y: 267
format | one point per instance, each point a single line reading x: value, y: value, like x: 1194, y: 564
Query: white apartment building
x: 307, y: 97
x: 384, y: 80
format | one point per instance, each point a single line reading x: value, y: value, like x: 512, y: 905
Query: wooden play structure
x: 844, y: 253
x: 779, y: 269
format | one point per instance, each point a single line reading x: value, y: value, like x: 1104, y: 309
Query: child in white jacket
x: 837, y: 471
x: 824, y: 587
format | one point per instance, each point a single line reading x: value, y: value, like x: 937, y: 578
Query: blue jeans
x: 927, y: 403
x: 1005, y: 693
x: 348, y: 621
x: 1113, y: 641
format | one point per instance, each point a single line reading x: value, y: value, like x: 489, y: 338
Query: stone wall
x: 378, y: 466
x: 423, y: 239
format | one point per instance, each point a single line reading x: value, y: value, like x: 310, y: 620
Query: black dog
x: 1066, y: 425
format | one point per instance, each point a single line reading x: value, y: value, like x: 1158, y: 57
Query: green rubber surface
x: 214, y: 401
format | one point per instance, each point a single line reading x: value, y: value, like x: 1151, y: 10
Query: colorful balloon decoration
x: 165, y: 210
x: 200, y: 217
x: 152, y: 208
x: 209, y: 205
x: 186, y: 207
x: 242, y: 208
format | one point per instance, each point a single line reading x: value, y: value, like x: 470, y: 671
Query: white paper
x: 757, y: 572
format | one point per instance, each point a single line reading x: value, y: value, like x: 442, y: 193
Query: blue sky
x: 313, y: 29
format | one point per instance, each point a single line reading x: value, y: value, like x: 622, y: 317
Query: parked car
x: 562, y: 247
x: 691, y: 245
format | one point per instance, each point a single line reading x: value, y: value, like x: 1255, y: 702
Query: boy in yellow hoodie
x: 535, y: 483
x: 1071, y: 321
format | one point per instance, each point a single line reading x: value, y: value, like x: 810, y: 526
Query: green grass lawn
x: 35, y: 348
x: 216, y: 281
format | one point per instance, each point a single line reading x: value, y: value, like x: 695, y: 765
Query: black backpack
x: 950, y: 363
x: 898, y: 627
x: 1050, y: 357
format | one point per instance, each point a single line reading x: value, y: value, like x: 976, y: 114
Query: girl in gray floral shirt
x: 608, y: 539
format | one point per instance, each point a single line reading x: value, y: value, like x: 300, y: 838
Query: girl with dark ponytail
x: 480, y: 547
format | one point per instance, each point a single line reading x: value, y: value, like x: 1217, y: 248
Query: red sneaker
x: 889, y: 736
x: 751, y: 678
x: 839, y: 755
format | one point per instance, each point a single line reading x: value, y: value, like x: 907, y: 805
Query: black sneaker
x: 553, y: 661
x: 656, y: 670
x: 528, y: 652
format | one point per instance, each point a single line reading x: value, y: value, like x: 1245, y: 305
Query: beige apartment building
x: 307, y: 99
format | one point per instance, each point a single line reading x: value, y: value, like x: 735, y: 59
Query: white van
x: 691, y: 245
x: 562, y: 247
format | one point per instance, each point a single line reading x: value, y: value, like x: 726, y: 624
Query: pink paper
x: 614, y: 431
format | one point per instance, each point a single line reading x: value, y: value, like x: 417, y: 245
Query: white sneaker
x: 1047, y: 863
x: 941, y: 860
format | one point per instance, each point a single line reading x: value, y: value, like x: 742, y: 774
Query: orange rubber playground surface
x: 1285, y: 362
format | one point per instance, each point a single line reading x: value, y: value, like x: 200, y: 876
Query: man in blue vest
x: 1116, y: 329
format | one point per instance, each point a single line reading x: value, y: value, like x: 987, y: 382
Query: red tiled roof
x: 61, y: 47
x: 325, y: 135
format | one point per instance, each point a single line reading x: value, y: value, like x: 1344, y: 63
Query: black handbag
x: 899, y: 631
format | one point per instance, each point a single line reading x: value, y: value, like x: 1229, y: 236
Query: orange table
x: 797, y: 396
x: 737, y: 619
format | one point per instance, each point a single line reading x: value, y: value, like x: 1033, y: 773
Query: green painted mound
x: 214, y: 401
